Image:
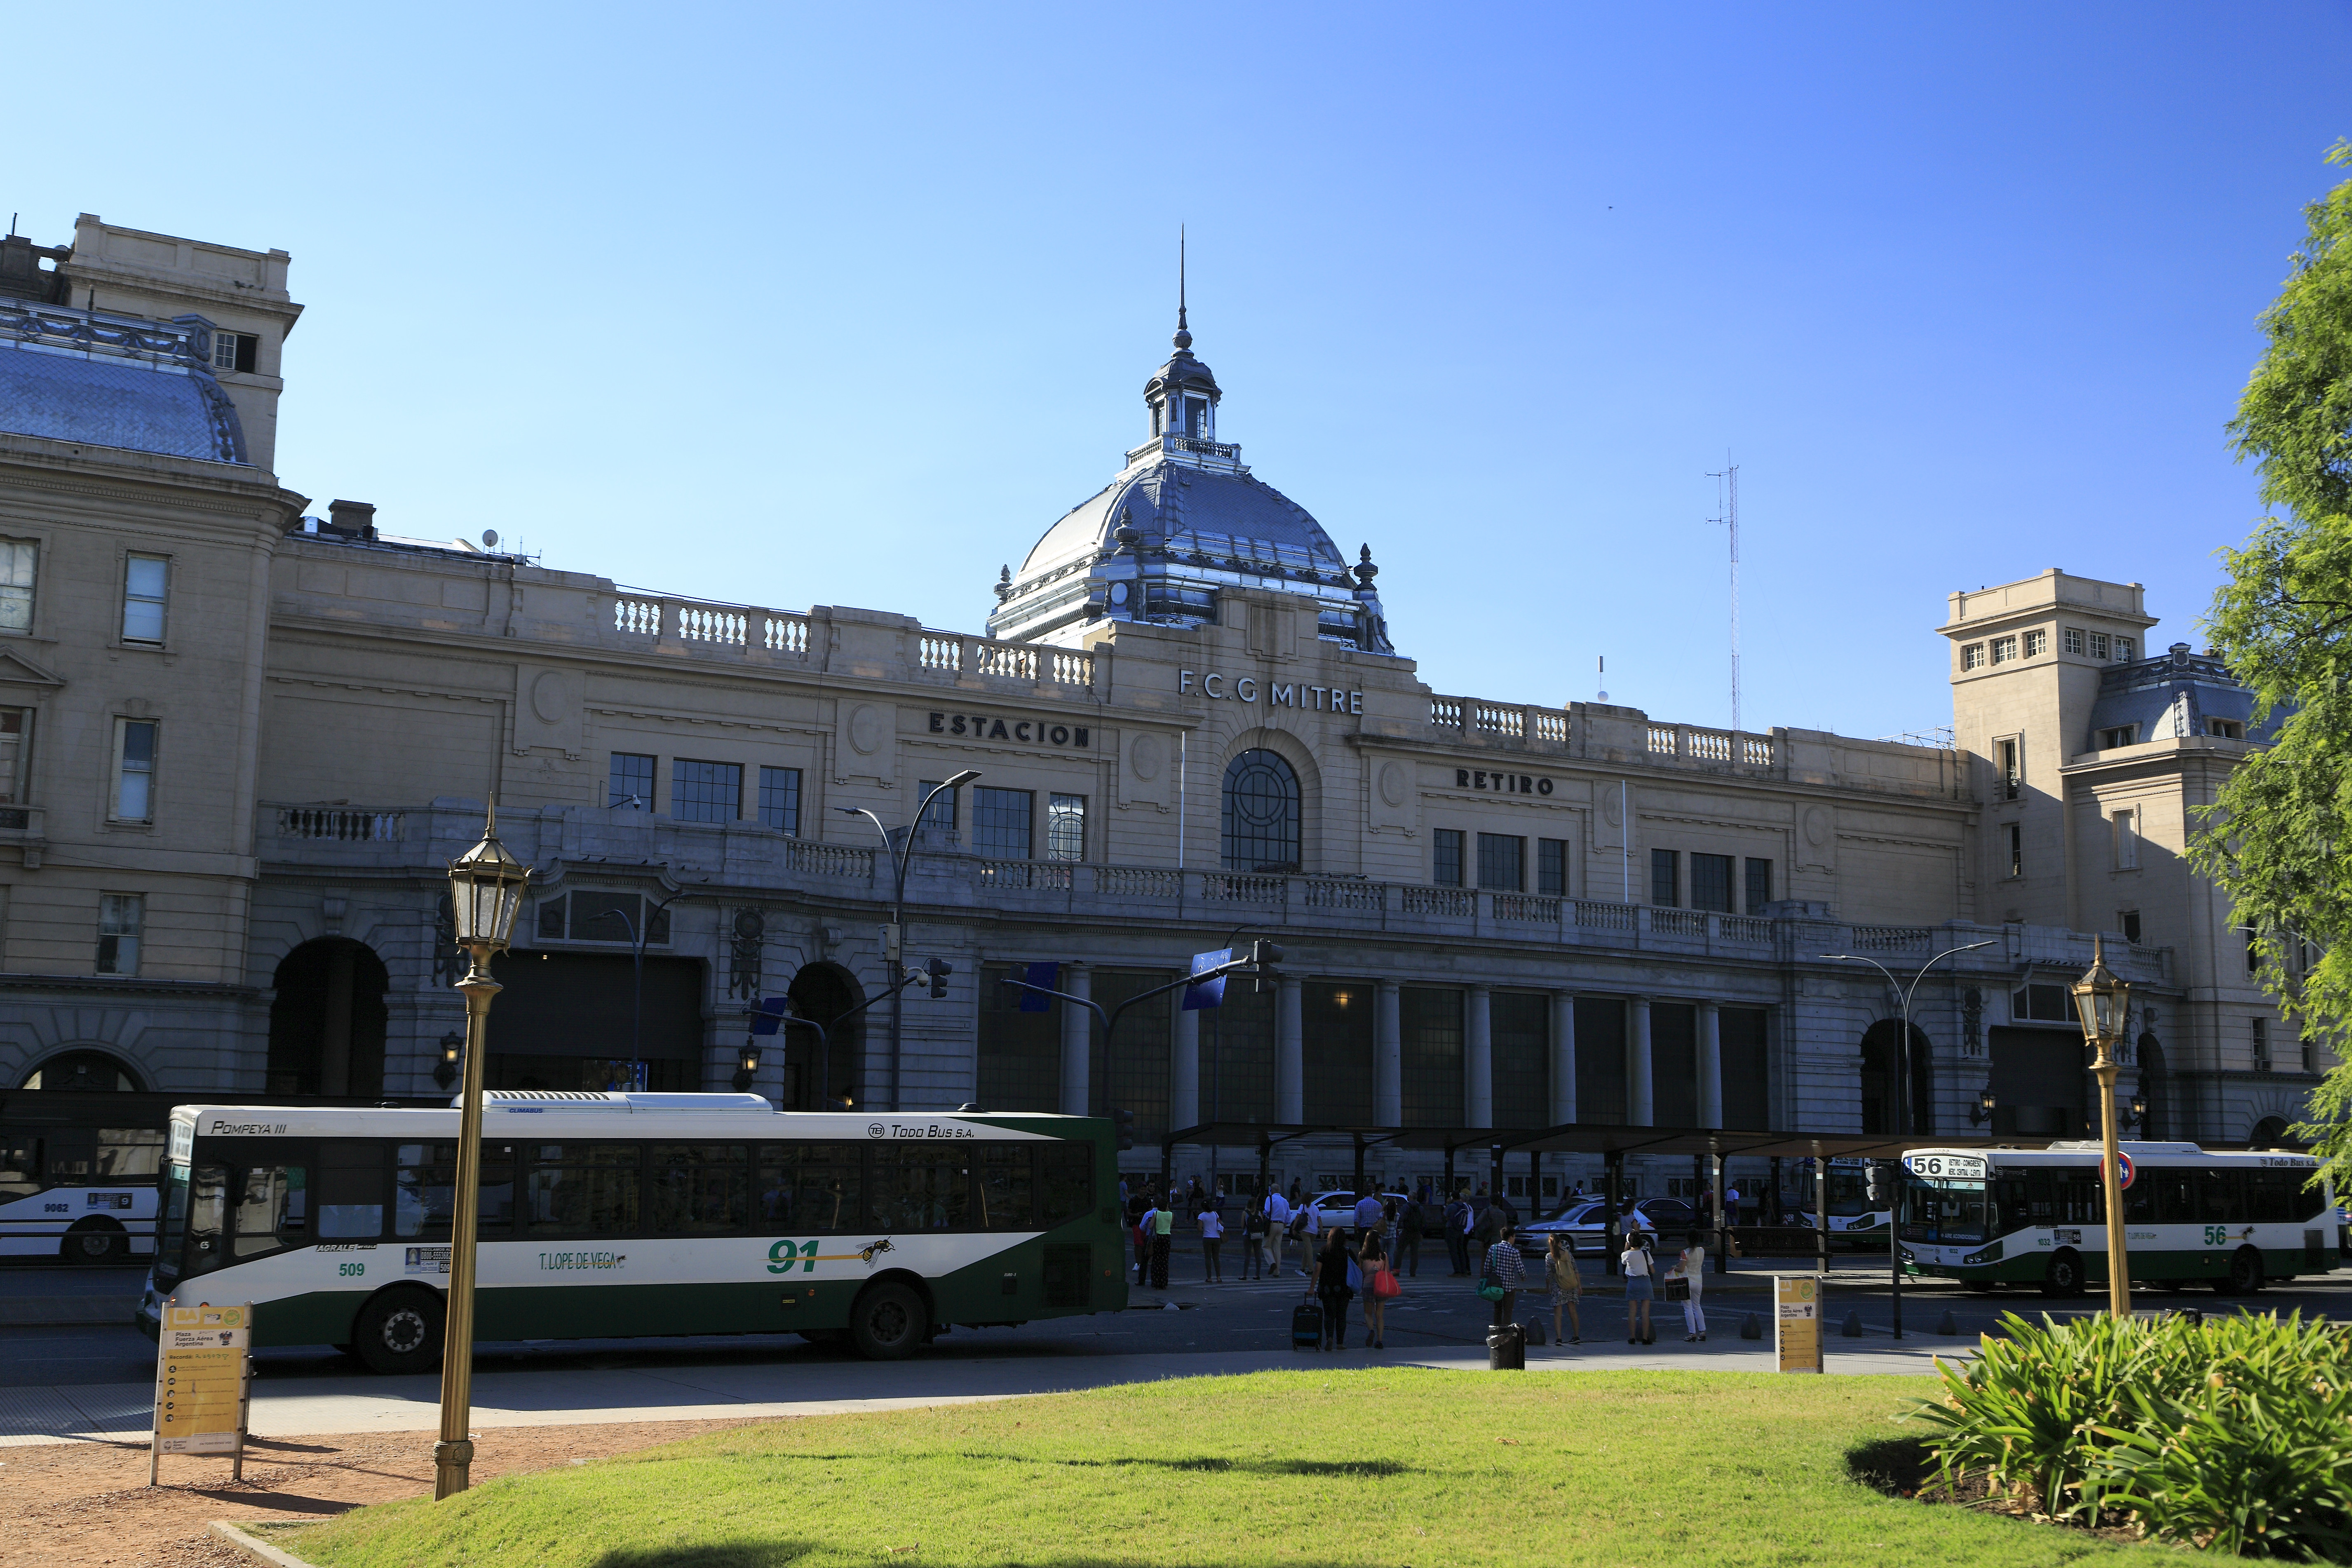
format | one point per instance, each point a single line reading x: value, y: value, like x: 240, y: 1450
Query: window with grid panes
x: 1429, y: 1027
x: 780, y: 799
x: 1236, y: 1080
x: 2073, y: 640
x: 1759, y: 885
x: 1711, y: 882
x: 941, y: 816
x: 1066, y: 827
x: 1600, y: 1060
x: 1552, y: 867
x: 705, y: 792
x: 2005, y: 649
x: 1137, y: 1081
x: 17, y: 561
x: 1666, y: 875
x: 1000, y: 823
x: 15, y: 740
x: 632, y: 782
x: 2098, y: 645
x: 1336, y: 1067
x: 1019, y: 1064
x: 134, y: 763
x: 145, y: 586
x: 1446, y: 857
x: 1518, y: 1026
x: 119, y: 918
x: 1972, y: 656
x: 2036, y: 644
x: 1502, y: 862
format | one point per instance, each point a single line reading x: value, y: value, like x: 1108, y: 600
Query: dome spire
x: 1183, y: 332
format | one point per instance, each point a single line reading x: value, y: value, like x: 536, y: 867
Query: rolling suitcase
x: 1306, y: 1327
x: 1506, y: 1349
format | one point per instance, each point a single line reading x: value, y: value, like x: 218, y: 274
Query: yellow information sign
x: 202, y: 1362
x: 1797, y: 1321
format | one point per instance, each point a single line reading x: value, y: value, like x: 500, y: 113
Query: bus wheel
x: 888, y: 1321
x: 2245, y: 1271
x: 2065, y: 1275
x: 94, y: 1241
x: 399, y: 1332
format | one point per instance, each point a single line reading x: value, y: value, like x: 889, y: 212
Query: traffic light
x: 1870, y: 1183
x: 1264, y: 956
x: 1125, y: 1122
x: 939, y: 969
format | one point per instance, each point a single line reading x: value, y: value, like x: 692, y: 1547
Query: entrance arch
x: 84, y: 1071
x: 1878, y: 1082
x: 825, y: 1080
x: 327, y: 1024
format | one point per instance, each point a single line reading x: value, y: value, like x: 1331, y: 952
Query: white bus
x: 2038, y: 1216
x: 78, y: 1174
x: 612, y: 1214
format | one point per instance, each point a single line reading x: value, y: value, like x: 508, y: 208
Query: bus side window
x: 2218, y: 1195
x: 72, y: 1156
x: 920, y: 1188
x: 1068, y: 1182
x: 350, y: 1190
x: 128, y: 1153
x: 811, y: 1189
x: 2008, y: 1194
x: 1008, y: 1187
x: 274, y: 1209
x: 207, y: 1213
x: 695, y: 1187
x: 19, y: 1171
x: 2041, y: 1200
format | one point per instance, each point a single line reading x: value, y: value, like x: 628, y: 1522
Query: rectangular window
x: 2036, y: 644
x: 598, y: 915
x: 1008, y: 1186
x: 2254, y: 951
x: 697, y: 1189
x: 425, y: 1190
x: 235, y: 352
x: 780, y: 800
x: 582, y: 1189
x: 15, y: 762
x: 1600, y: 1061
x: 1759, y: 885
x: 2016, y: 834
x: 350, y: 1190
x: 2012, y: 775
x: 1665, y: 878
x: 2262, y: 1045
x: 1972, y: 656
x: 918, y: 1189
x: 1519, y: 1043
x: 1000, y: 823
x: 705, y: 792
x: 1066, y: 827
x: 1502, y: 863
x: 2227, y: 729
x: 1711, y: 882
x: 632, y: 786
x: 2121, y: 735
x: 2074, y: 643
x: 2122, y: 650
x: 2098, y: 645
x: 16, y: 559
x: 146, y: 584
x: 2128, y: 922
x: 941, y: 818
x: 120, y: 917
x: 2005, y: 649
x: 1430, y: 1071
x: 1445, y: 858
x: 1552, y: 867
x: 2041, y: 1005
x: 134, y: 770
x: 813, y: 1188
x: 2127, y: 840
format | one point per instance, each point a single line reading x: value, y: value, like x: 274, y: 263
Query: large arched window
x: 1260, y: 814
x: 84, y: 1070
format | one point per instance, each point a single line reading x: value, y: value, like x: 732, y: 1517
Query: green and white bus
x: 632, y: 1214
x: 2038, y: 1216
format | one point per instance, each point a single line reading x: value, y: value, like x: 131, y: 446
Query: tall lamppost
x: 1902, y: 1120
x: 2101, y: 998
x: 486, y: 886
x: 893, y: 936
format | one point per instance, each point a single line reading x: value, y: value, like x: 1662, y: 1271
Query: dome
x: 1188, y: 511
x: 108, y: 400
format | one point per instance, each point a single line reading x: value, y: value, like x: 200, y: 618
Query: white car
x: 1337, y: 1211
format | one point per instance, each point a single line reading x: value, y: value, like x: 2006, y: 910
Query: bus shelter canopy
x: 1589, y: 1138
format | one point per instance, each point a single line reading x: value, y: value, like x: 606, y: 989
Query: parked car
x: 1584, y: 1222
x: 1338, y: 1210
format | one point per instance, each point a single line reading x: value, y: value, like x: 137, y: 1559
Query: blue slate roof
x: 101, y: 400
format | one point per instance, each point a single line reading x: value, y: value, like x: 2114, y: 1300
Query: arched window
x: 84, y: 1070
x: 1260, y: 814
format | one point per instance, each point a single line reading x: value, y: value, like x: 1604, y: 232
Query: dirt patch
x: 1901, y: 1467
x: 88, y: 1503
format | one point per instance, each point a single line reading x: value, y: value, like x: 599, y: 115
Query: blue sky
x: 846, y: 306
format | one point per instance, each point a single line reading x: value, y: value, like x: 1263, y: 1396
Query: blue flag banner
x: 1046, y: 975
x: 1207, y: 993
x: 770, y: 1016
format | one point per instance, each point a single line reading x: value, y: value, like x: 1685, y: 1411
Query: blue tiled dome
x: 108, y: 400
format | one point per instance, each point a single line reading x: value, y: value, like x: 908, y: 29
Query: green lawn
x: 1385, y: 1466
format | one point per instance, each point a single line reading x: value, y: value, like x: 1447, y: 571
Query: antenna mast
x: 1727, y: 504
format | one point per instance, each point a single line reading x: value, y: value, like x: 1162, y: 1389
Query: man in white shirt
x: 1278, y: 1226
x: 1310, y: 1235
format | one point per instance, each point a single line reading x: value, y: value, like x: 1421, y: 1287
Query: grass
x: 1389, y: 1465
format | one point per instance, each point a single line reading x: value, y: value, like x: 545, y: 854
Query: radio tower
x: 1728, y: 505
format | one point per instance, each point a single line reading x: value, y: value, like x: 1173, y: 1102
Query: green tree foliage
x: 2278, y: 838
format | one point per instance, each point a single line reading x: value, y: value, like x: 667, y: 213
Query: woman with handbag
x: 1640, y: 1288
x: 1327, y: 1282
x: 1380, y: 1284
x: 1692, y: 1270
x: 1567, y: 1289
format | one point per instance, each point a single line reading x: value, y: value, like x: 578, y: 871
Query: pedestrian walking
x: 1164, y: 1236
x: 1458, y: 1235
x: 1277, y: 1229
x: 1692, y: 1268
x: 1491, y: 1221
x: 1406, y: 1221
x: 1143, y: 1222
x: 1567, y: 1289
x: 1212, y: 1232
x: 1307, y: 1230
x: 1504, y: 1267
x: 1633, y: 1263
x: 1372, y: 1266
x: 1368, y: 1212
x: 1328, y: 1283
x: 1253, y: 1244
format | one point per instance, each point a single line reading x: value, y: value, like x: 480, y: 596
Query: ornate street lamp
x: 748, y: 1066
x: 486, y: 886
x: 2103, y: 999
x: 453, y: 1049
x: 1982, y: 1111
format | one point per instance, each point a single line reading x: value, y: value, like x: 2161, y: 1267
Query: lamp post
x: 486, y: 887
x: 1901, y: 1122
x: 893, y: 943
x: 2101, y: 998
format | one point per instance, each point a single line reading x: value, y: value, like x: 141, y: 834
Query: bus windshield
x: 1945, y: 1211
x: 1849, y: 1191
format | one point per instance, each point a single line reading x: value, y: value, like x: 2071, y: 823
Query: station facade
x: 239, y: 741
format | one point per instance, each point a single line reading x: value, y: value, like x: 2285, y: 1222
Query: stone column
x: 1184, y: 1069
x: 1563, y: 1058
x: 1289, y: 1052
x: 1388, y: 1055
x: 1477, y: 1057
x: 1638, y: 1102
x: 1078, y: 1033
x: 1710, y: 1067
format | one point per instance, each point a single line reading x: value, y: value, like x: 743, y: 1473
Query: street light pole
x: 2102, y: 997
x: 1901, y: 1116
x: 900, y: 850
x: 486, y: 887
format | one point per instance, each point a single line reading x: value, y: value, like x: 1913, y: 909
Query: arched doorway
x: 84, y: 1072
x: 326, y: 1026
x: 1879, y: 1054
x: 1260, y: 814
x: 2273, y: 1132
x: 825, y: 1080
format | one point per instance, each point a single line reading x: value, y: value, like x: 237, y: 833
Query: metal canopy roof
x: 1583, y: 1138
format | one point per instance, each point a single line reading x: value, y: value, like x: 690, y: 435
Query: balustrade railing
x: 1492, y: 720
x: 697, y: 623
x: 938, y: 652
x: 1458, y: 902
x: 348, y: 824
x: 1029, y: 876
x: 1593, y: 915
x: 1226, y: 887
x: 1551, y: 726
x: 1891, y: 938
x: 1678, y: 922
x: 1445, y: 712
x: 1525, y: 907
x: 1710, y: 746
x: 641, y: 617
x: 787, y: 634
x: 1756, y: 751
x: 1138, y: 882
x: 1016, y: 659
x: 1663, y: 741
x: 1743, y: 928
x: 828, y: 859
x: 1344, y: 893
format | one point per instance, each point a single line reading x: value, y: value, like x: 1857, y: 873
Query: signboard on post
x: 1797, y: 1321
x: 1211, y: 992
x: 202, y: 1369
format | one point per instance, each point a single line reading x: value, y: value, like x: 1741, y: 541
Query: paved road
x: 77, y: 1379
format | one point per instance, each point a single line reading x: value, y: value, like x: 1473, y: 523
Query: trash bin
x: 1506, y: 1348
